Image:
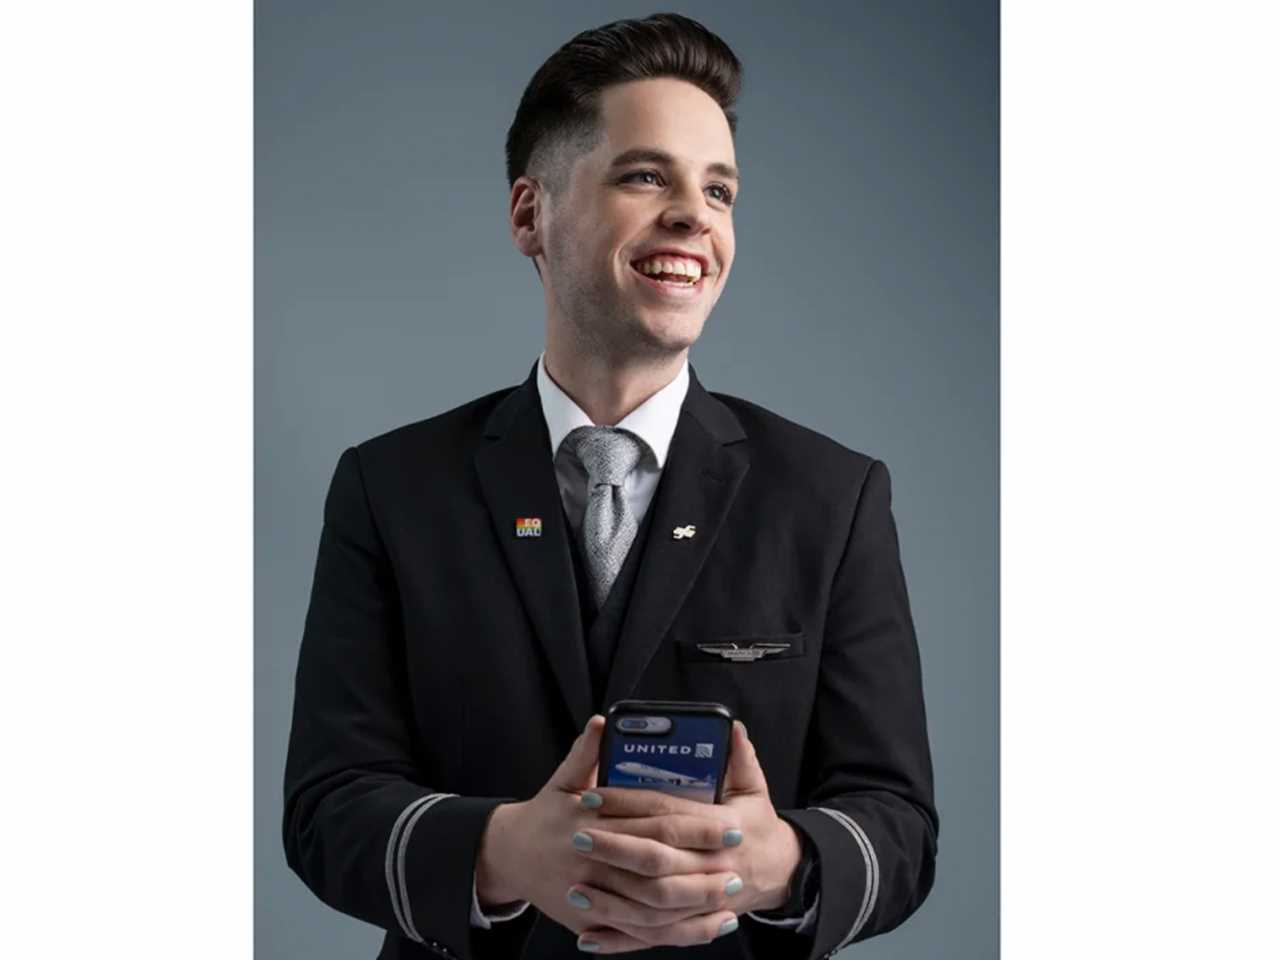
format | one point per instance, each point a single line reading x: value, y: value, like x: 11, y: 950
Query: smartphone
x: 675, y: 746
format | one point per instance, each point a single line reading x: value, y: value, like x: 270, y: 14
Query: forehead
x: 667, y: 114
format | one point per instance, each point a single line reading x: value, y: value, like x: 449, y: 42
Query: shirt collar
x: 654, y: 421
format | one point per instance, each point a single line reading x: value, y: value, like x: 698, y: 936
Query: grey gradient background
x: 863, y: 304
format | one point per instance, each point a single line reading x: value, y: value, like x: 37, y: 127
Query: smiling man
x: 491, y: 579
x: 633, y: 239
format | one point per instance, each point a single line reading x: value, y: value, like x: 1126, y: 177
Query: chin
x: 673, y: 337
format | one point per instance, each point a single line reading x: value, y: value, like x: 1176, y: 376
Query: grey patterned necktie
x: 608, y: 528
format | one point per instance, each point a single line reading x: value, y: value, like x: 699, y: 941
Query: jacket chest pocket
x: 745, y: 649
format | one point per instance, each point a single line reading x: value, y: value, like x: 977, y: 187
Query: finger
x: 685, y: 933
x: 608, y: 908
x: 677, y: 830
x: 638, y: 802
x: 743, y: 773
x: 645, y: 857
x: 577, y: 771
x: 691, y: 893
x: 605, y: 940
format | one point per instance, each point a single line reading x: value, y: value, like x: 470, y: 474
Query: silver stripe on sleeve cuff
x: 397, y: 843
x: 873, y: 870
x: 801, y: 924
x: 485, y: 921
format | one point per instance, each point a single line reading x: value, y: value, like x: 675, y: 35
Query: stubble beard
x: 600, y: 326
x: 598, y: 321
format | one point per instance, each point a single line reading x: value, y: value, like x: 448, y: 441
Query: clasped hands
x: 627, y: 869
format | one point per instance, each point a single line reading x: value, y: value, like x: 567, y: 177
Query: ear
x: 525, y: 214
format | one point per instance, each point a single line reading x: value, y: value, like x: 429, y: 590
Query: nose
x: 687, y: 210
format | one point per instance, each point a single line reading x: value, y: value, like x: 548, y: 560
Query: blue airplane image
x: 644, y: 772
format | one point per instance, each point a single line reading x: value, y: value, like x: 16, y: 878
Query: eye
x: 641, y: 173
x: 727, y: 198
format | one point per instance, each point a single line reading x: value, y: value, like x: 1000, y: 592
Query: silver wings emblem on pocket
x: 731, y: 651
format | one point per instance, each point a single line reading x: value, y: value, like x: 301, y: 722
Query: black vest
x: 602, y: 628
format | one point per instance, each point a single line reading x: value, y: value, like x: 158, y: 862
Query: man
x: 491, y: 579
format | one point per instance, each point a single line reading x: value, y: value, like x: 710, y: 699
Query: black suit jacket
x: 442, y: 669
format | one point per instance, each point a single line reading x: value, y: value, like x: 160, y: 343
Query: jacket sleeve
x: 363, y: 826
x: 867, y: 778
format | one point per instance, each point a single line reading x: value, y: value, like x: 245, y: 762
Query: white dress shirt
x: 654, y: 422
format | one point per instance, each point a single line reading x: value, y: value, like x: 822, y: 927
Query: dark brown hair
x: 561, y: 105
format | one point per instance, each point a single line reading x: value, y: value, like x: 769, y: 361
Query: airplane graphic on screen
x: 643, y: 771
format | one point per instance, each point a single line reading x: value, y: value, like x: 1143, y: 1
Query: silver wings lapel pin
x: 754, y: 651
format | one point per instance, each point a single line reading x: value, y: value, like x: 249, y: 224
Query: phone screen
x: 679, y: 754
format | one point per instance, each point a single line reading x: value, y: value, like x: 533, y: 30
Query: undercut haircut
x: 559, y: 119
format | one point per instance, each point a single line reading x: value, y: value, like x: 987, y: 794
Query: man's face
x: 620, y: 206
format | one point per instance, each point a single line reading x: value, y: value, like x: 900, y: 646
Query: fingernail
x: 728, y: 926
x: 733, y: 886
x: 591, y: 800
x: 582, y: 842
x: 578, y: 900
x: 590, y: 946
x: 732, y: 838
x: 744, y: 729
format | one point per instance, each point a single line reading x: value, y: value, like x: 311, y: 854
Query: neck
x: 609, y: 388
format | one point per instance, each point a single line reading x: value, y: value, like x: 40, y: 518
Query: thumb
x: 578, y: 769
x: 743, y: 774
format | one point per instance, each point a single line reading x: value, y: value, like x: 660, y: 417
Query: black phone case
x: 689, y: 760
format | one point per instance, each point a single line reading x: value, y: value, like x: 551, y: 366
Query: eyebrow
x: 653, y: 155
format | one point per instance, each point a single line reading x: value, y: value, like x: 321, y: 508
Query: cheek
x: 728, y: 246
x: 726, y: 262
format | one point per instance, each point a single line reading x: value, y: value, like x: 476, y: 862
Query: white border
x: 1139, y: 482
x: 126, y: 487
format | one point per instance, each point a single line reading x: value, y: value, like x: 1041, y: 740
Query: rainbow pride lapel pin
x: 528, y: 526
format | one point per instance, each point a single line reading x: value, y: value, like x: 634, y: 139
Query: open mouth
x: 673, y: 282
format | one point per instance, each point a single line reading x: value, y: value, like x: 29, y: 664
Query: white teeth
x: 682, y: 267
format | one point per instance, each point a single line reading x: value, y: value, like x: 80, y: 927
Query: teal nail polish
x: 583, y: 842
x: 733, y: 886
x: 732, y: 838
x: 591, y: 800
x: 590, y: 946
x: 578, y: 900
x: 728, y: 926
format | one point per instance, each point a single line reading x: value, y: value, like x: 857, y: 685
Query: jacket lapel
x: 704, y: 469
x: 517, y: 476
